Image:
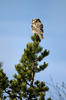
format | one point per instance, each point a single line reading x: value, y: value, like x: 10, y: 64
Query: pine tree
x: 23, y: 86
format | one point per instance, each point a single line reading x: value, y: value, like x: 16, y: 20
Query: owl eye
x: 33, y: 21
x: 38, y: 20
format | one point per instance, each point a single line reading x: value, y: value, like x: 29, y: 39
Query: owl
x: 37, y: 27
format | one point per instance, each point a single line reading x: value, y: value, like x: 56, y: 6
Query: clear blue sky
x: 15, y: 31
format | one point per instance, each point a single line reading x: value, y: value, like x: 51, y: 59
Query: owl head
x: 35, y: 20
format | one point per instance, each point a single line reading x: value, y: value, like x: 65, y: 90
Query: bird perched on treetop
x: 37, y: 27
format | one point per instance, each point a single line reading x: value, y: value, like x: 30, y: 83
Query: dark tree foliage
x: 23, y: 86
x: 3, y: 83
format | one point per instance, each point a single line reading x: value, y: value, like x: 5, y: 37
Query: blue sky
x: 15, y: 31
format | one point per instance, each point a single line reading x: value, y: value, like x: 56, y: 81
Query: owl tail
x: 41, y: 36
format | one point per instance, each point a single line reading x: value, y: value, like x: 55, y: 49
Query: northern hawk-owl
x: 37, y: 27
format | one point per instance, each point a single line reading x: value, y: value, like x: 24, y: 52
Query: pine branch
x: 12, y: 96
x: 43, y: 55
